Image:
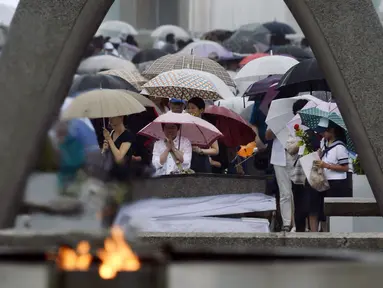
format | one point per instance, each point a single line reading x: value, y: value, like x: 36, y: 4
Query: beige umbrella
x: 146, y: 102
x: 132, y: 77
x: 103, y: 103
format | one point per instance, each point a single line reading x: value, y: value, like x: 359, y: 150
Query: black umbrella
x: 96, y: 81
x: 148, y: 55
x: 303, y: 77
x: 294, y: 51
x: 249, y: 39
x: 278, y: 28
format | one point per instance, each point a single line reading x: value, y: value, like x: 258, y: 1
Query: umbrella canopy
x: 116, y: 29
x: 148, y: 55
x: 234, y: 128
x: 297, y: 118
x: 259, y: 89
x: 102, y: 103
x: 279, y: 28
x: 249, y: 39
x: 180, y: 61
x: 99, y: 81
x: 281, y: 112
x: 265, y: 66
x: 235, y: 104
x: 164, y: 30
x: 100, y: 63
x: 312, y: 116
x: 198, y: 131
x: 207, y: 49
x: 304, y: 77
x: 128, y: 51
x: 182, y: 84
x: 134, y: 78
x: 293, y: 51
x: 251, y: 57
x: 218, y: 35
x: 270, y: 95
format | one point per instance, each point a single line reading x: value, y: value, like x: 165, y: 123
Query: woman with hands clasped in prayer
x: 172, y: 154
x: 201, y: 157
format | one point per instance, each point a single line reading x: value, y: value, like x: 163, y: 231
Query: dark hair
x: 170, y: 38
x: 339, y: 132
x: 199, y: 102
x: 181, y: 44
x: 130, y: 40
x: 163, y: 125
x: 98, y: 42
x: 305, y: 42
x: 298, y: 105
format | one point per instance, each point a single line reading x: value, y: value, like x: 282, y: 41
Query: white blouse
x: 170, y: 165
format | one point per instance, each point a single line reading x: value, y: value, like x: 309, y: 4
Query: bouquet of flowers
x: 305, y: 140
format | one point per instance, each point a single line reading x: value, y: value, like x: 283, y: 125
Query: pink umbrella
x: 198, y: 131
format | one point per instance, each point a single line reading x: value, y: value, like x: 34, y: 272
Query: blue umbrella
x: 80, y: 130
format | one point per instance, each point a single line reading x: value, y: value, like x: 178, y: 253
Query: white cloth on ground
x: 196, y: 206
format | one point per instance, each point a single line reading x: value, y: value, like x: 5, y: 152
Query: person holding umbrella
x: 200, y: 162
x: 172, y: 154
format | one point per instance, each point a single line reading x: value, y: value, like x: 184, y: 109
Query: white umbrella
x: 262, y: 67
x: 102, y: 103
x: 235, y: 104
x: 116, y: 29
x: 297, y: 119
x: 281, y: 113
x: 100, y: 63
x: 164, y: 30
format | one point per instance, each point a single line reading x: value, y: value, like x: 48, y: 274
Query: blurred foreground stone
x: 51, y: 239
x: 46, y: 42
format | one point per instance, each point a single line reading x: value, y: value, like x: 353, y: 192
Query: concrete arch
x: 346, y: 37
x: 46, y: 42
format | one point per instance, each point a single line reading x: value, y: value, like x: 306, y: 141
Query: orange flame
x: 115, y: 257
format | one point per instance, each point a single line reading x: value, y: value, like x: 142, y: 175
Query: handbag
x: 318, y: 179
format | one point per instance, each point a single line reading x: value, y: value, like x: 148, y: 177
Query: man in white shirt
x: 278, y: 160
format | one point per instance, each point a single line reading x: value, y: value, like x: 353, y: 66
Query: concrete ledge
x: 353, y: 241
x: 357, y: 207
x: 62, y: 206
x: 197, y: 185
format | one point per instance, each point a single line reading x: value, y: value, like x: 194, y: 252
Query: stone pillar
x: 347, y: 40
x: 46, y: 42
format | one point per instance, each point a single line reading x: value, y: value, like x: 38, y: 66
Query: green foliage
x: 357, y: 166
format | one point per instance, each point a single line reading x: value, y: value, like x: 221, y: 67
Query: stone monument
x: 346, y: 37
x: 46, y: 41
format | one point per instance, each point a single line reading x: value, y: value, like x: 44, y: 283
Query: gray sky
x: 10, y: 2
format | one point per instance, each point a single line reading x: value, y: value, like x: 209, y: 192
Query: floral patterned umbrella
x: 182, y: 84
x: 182, y: 61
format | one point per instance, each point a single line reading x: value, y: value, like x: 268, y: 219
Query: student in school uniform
x: 335, y: 161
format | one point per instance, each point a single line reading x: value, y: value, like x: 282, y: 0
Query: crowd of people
x: 126, y: 153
